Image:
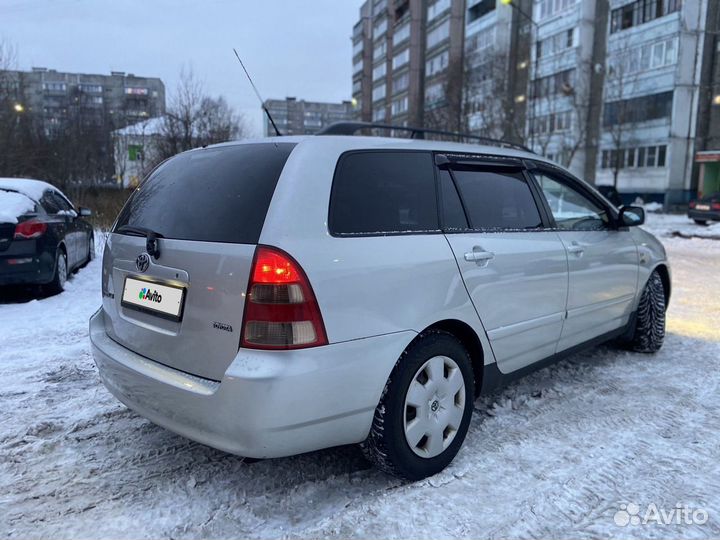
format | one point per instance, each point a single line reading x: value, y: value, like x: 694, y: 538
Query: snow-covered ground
x: 554, y: 455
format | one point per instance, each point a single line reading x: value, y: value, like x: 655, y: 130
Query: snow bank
x: 679, y: 225
x: 13, y: 205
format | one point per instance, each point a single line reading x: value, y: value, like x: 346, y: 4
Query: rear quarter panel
x: 370, y: 285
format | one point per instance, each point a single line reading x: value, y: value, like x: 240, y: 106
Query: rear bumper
x: 268, y: 404
x: 21, y: 269
x: 704, y: 215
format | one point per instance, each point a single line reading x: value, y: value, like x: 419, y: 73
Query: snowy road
x: 553, y: 455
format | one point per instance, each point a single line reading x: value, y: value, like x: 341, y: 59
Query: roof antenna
x: 262, y: 103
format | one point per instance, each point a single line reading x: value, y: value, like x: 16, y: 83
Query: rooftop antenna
x: 262, y: 103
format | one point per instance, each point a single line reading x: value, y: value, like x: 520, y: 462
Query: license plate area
x: 155, y: 298
x: 703, y: 207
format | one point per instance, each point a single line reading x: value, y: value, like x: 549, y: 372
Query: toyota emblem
x: 142, y: 262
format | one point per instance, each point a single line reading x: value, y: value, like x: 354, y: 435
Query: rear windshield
x: 211, y: 195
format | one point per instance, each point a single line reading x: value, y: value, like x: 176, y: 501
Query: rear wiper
x: 151, y: 244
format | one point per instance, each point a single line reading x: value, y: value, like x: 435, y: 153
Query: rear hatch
x: 184, y: 306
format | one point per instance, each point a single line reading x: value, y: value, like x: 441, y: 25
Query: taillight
x: 31, y: 228
x: 281, y: 311
x: 716, y: 206
x: 692, y: 204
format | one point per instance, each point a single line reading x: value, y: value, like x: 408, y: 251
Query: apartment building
x: 496, y: 68
x: 113, y: 100
x: 625, y: 93
x: 294, y: 116
x: 408, y: 62
x: 652, y: 98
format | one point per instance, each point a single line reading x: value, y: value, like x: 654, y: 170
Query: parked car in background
x: 43, y: 237
x: 274, y: 297
x: 705, y: 209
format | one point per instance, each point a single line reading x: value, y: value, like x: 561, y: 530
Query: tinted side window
x: 219, y: 194
x: 383, y: 192
x: 497, y: 200
x: 453, y: 214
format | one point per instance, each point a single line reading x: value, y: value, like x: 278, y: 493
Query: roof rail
x: 350, y: 128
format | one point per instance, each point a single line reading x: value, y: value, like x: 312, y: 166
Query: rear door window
x: 497, y: 199
x: 219, y: 194
x: 384, y: 193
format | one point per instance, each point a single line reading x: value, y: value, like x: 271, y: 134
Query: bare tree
x: 619, y: 115
x: 193, y: 118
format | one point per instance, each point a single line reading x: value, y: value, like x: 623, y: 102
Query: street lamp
x: 19, y: 108
x: 531, y: 93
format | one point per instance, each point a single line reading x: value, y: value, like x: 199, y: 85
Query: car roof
x: 359, y: 142
x: 27, y: 186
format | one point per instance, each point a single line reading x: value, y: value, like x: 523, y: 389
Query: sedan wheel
x: 57, y: 285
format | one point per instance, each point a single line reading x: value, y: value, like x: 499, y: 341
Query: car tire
x: 700, y: 221
x: 425, y: 409
x: 57, y: 285
x: 91, y: 250
x: 649, y: 331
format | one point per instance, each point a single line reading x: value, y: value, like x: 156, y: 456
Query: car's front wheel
x: 425, y: 409
x: 650, y: 323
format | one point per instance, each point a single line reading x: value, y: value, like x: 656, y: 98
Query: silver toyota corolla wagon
x: 284, y: 295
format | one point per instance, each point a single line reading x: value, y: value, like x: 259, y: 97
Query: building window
x: 434, y: 94
x: 640, y: 12
x: 55, y: 87
x: 401, y: 33
x: 379, y: 28
x: 437, y: 8
x: 90, y: 88
x: 135, y: 152
x: 557, y: 83
x: 379, y: 115
x: 647, y: 157
x: 379, y: 7
x: 400, y: 106
x: 357, y: 86
x: 135, y: 91
x: 357, y: 48
x: 556, y: 43
x: 553, y: 123
x: 439, y: 34
x: 638, y: 109
x: 379, y: 71
x: 400, y: 82
x: 643, y: 58
x: 378, y: 92
x: 548, y: 8
x: 380, y: 50
x: 481, y: 40
x: 437, y: 64
x: 401, y: 58
x: 357, y: 66
x: 480, y: 9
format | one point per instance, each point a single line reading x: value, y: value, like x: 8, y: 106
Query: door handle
x: 479, y: 256
x: 576, y: 249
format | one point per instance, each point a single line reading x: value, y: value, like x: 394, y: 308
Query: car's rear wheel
x: 91, y: 250
x: 700, y: 221
x: 425, y: 409
x: 650, y: 322
x: 57, y: 285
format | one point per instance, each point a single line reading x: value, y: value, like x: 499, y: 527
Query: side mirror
x: 632, y: 216
x: 85, y: 212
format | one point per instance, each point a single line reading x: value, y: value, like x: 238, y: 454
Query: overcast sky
x: 296, y: 48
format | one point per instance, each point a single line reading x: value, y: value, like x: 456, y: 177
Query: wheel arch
x: 664, y: 272
x: 469, y: 338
